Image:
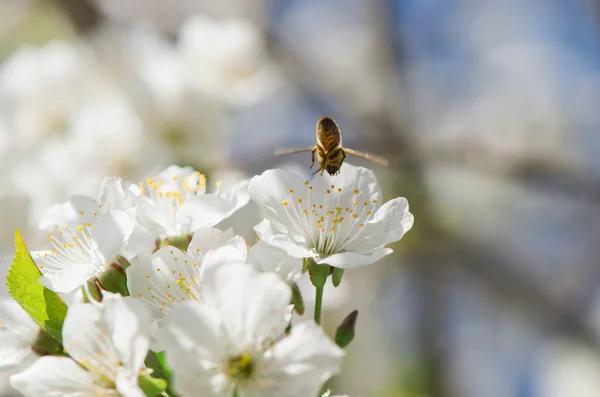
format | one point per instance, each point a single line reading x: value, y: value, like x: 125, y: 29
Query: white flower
x: 81, y: 251
x: 267, y: 258
x: 170, y: 276
x: 236, y: 340
x: 227, y: 59
x: 107, y: 343
x: 175, y: 202
x: 115, y: 195
x: 337, y: 220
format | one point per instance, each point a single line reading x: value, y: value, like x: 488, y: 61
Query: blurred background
x: 488, y: 110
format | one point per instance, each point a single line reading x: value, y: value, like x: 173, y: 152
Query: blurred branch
x: 83, y: 14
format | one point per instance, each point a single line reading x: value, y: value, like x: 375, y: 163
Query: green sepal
x: 152, y: 387
x: 297, y: 300
x: 336, y: 276
x: 305, y: 263
x: 181, y: 242
x: 47, y: 345
x: 345, y: 332
x: 156, y: 361
x: 318, y: 273
x: 43, y: 305
x: 114, y: 280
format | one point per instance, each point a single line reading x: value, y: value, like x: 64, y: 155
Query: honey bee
x: 329, y: 150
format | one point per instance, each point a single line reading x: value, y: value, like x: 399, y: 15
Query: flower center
x: 240, y: 367
x: 331, y: 221
x: 74, y: 245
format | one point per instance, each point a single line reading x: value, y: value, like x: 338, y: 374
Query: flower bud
x: 345, y: 332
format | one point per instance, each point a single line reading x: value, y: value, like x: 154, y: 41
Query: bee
x: 329, y: 150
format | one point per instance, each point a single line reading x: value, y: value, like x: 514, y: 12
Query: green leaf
x: 345, y: 332
x: 43, y: 305
x: 297, y: 300
x: 152, y: 386
x: 318, y: 273
x: 336, y: 276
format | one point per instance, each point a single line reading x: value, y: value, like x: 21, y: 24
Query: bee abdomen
x: 328, y: 133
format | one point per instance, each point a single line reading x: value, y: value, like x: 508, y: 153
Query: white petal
x: 206, y: 239
x: 194, y: 349
x: 54, y: 377
x: 127, y: 386
x: 271, y: 259
x: 110, y: 232
x: 209, y: 209
x: 115, y: 195
x: 270, y: 188
x: 18, y: 332
x: 303, y: 361
x: 252, y: 304
x: 78, y: 210
x: 266, y: 233
x: 128, y: 321
x: 352, y: 177
x: 69, y: 278
x: 388, y: 225
x: 349, y: 260
x: 108, y: 337
x: 140, y: 242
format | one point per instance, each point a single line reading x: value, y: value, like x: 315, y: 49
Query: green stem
x: 318, y: 303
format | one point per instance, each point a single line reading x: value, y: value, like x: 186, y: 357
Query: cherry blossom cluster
x: 215, y: 311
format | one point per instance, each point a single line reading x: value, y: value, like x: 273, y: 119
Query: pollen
x: 82, y: 213
x: 285, y: 203
x: 339, y: 189
x: 299, y: 201
x: 79, y: 228
x: 305, y: 183
x: 361, y: 225
x: 328, y: 191
x: 356, y: 191
x: 291, y: 191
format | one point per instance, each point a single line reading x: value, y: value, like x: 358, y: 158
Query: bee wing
x: 377, y: 159
x: 283, y: 152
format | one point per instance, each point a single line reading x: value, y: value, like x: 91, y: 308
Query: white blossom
x: 337, y: 220
x: 171, y: 276
x: 236, y: 340
x: 175, y: 203
x: 80, y: 252
x: 107, y: 344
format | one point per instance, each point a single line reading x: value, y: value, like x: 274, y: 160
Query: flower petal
x: 17, y: 333
x: 388, y: 225
x: 128, y: 320
x: 271, y: 259
x: 209, y: 209
x: 266, y: 233
x: 349, y: 260
x: 302, y: 361
x: 209, y: 238
x: 54, y: 376
x: 252, y: 304
x: 66, y: 279
x: 76, y: 211
x: 194, y: 349
x: 110, y: 231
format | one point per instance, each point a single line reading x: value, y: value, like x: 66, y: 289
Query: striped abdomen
x: 328, y: 134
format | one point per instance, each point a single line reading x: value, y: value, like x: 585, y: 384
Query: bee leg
x: 313, y: 157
